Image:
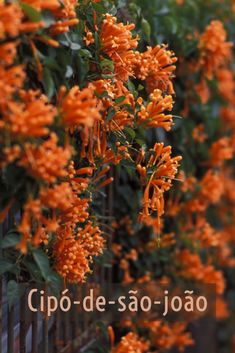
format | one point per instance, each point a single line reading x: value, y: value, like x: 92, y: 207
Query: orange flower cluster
x: 210, y: 191
x: 156, y: 66
x: 10, y: 20
x: 215, y: 50
x: 117, y: 42
x: 131, y: 343
x: 193, y: 268
x: 221, y: 151
x: 47, y: 161
x: 153, y: 114
x: 164, y: 171
x: 73, y: 247
x: 79, y: 107
x: 65, y: 13
x: 165, y: 336
x: 30, y: 117
x: 73, y: 251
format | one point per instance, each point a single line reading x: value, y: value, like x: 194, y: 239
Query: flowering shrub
x: 137, y: 97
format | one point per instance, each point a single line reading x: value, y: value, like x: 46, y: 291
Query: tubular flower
x: 228, y: 116
x: 80, y: 108
x: 68, y: 10
x: 199, y: 134
x: 214, y: 49
x: 70, y: 258
x: 47, y: 161
x: 117, y: 42
x: 193, y: 268
x: 120, y: 120
x: 165, y: 169
x: 31, y: 211
x: 221, y: 151
x: 211, y: 188
x: 167, y: 336
x: 73, y: 252
x: 30, y: 117
x: 91, y: 239
x: 153, y: 114
x: 88, y: 38
x: 156, y: 66
x: 226, y: 84
x: 131, y: 343
x: 10, y: 20
x: 51, y: 5
x: 59, y: 197
x: 11, y: 79
x: 203, y: 91
x: 64, y: 13
x: 205, y: 234
x: 8, y: 53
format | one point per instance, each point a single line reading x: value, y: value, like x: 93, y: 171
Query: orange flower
x: 153, y: 114
x: 221, y: 307
x: 31, y: 211
x: 194, y: 269
x: 47, y: 161
x: 214, y: 49
x: 70, y: 258
x: 44, y: 5
x: 91, y: 239
x: 88, y: 38
x: 8, y: 53
x: 63, y: 26
x: 30, y: 117
x: 228, y: 116
x: 165, y: 169
x: 68, y: 10
x: 205, y: 234
x: 167, y: 336
x: 131, y: 343
x: 117, y: 42
x: 11, y: 79
x: 203, y: 91
x: 73, y: 252
x: 199, y: 134
x: 187, y: 183
x: 80, y: 107
x: 221, y: 151
x: 59, y: 197
x: 10, y: 19
x: 156, y: 66
x: 226, y: 84
x: 211, y: 187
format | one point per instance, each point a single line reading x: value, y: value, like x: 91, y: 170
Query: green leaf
x: 31, y: 12
x: 119, y: 99
x: 130, y: 132
x: 42, y: 261
x: 48, y: 83
x: 55, y: 283
x: 5, y: 266
x: 33, y: 269
x: 85, y: 53
x: 13, y: 292
x: 10, y: 240
x: 107, y: 64
x: 110, y: 114
x: 74, y: 46
x: 145, y: 26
